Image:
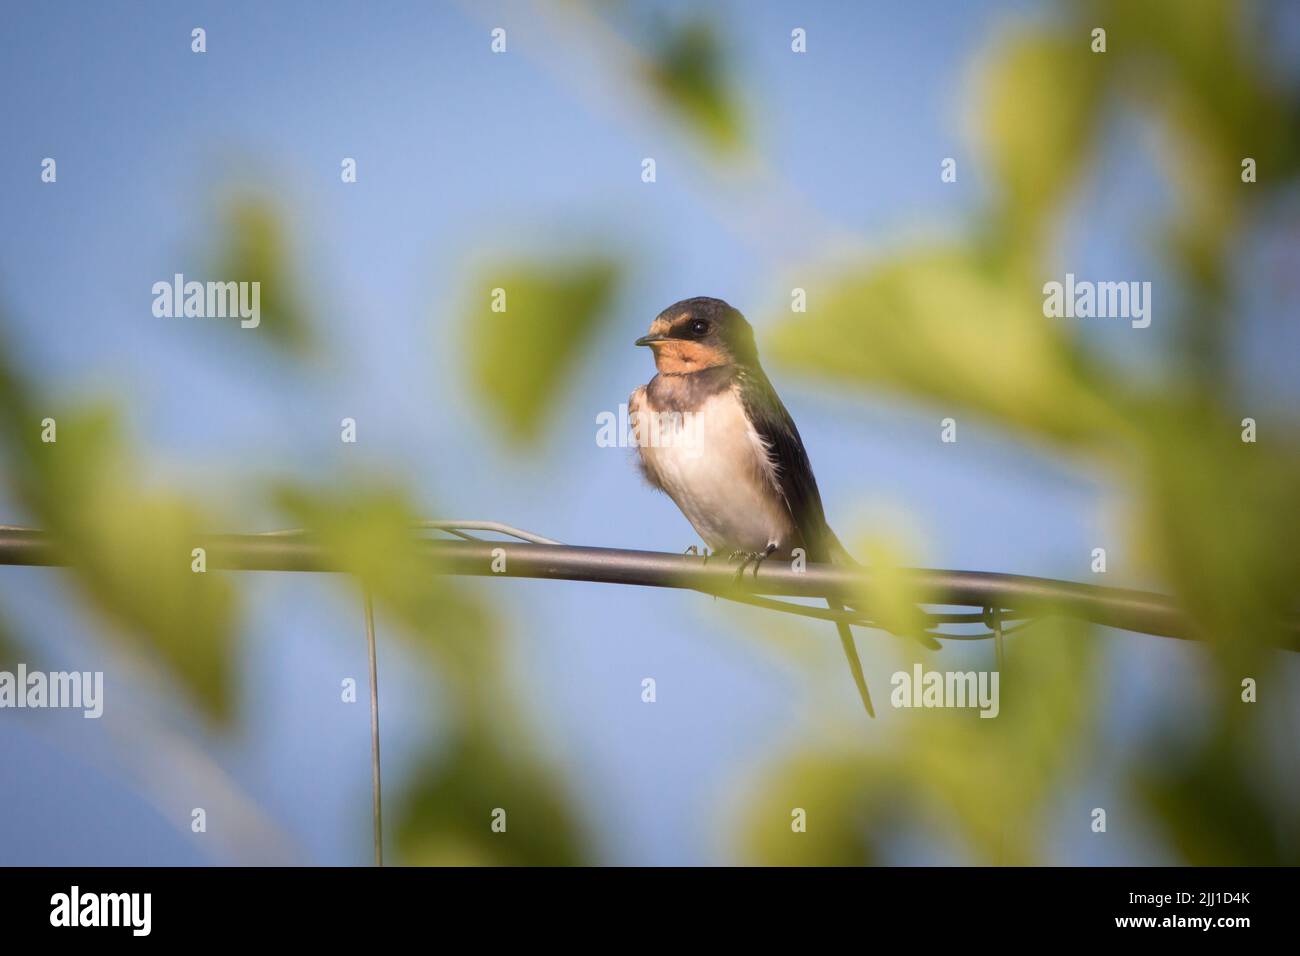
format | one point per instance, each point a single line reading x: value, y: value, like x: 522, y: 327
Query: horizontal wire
x: 533, y: 556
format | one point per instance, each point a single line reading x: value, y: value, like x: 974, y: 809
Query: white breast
x: 717, y: 470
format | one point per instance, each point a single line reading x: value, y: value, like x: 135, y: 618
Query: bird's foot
x: 747, y: 558
x: 699, y: 552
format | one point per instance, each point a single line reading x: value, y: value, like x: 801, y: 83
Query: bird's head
x: 695, y: 334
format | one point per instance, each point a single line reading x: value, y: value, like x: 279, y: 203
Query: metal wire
x: 857, y: 619
x: 993, y: 621
x: 1016, y: 597
x: 375, y: 790
x: 456, y: 527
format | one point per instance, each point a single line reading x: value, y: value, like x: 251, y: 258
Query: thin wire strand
x: 457, y: 528
x: 461, y: 534
x: 993, y: 618
x: 376, y: 794
x: 497, y: 526
x: 858, y: 620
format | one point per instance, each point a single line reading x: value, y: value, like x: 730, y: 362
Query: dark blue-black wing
x: 794, y: 475
x: 798, y: 486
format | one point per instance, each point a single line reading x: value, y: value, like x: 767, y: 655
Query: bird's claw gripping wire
x: 704, y: 553
x: 747, y: 558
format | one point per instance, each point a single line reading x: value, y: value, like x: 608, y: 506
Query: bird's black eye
x: 699, y: 327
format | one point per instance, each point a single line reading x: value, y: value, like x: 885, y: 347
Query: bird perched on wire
x: 714, y: 436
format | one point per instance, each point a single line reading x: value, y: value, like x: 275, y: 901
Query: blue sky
x: 460, y: 152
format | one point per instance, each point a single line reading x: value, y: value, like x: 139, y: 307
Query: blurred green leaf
x: 1202, y: 76
x: 129, y: 546
x: 943, y: 326
x: 254, y: 247
x: 982, y: 784
x: 1038, y: 95
x: 447, y: 815
x: 1219, y: 520
x: 845, y: 803
x: 1210, y: 96
x: 691, y: 76
x: 1211, y: 800
x: 368, y: 528
x: 887, y: 597
x: 521, y: 358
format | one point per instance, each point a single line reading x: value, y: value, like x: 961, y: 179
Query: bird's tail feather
x: 855, y: 665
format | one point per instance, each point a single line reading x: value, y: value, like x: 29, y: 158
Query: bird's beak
x: 651, y: 339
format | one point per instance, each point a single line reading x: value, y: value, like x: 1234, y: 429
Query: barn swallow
x: 746, y: 485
